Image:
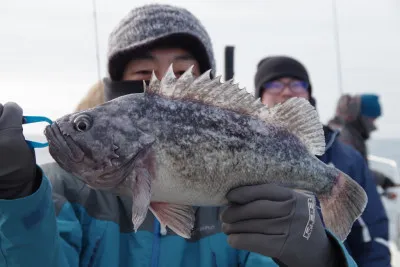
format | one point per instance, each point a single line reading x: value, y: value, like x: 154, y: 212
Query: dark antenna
x: 229, y: 62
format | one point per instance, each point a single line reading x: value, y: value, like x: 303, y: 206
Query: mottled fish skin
x: 189, y: 141
x: 203, y: 152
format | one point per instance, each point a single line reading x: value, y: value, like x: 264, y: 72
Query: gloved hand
x: 273, y: 221
x: 17, y: 159
x: 387, y: 183
x: 382, y: 180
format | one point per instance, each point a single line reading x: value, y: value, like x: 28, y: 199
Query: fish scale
x: 188, y: 141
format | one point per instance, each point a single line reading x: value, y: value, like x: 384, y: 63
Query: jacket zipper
x: 155, y: 254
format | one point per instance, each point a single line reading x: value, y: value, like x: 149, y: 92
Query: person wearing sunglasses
x: 279, y: 78
x: 278, y: 86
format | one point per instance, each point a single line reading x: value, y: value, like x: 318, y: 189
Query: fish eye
x: 82, y: 123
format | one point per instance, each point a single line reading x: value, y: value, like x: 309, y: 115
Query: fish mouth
x: 64, y: 150
x: 62, y: 146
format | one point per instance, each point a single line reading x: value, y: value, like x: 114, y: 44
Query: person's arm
x: 382, y: 180
x: 368, y: 239
x: 269, y: 220
x: 29, y: 234
x: 350, y: 138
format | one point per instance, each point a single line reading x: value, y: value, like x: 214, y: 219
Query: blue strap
x: 34, y: 119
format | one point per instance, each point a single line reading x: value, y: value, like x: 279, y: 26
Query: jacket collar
x: 330, y: 137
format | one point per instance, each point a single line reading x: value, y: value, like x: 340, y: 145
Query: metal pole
x: 229, y: 62
x: 96, y: 39
x: 337, y: 47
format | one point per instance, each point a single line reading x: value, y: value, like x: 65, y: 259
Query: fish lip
x: 61, y: 142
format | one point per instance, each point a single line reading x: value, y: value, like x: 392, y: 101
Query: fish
x: 187, y: 141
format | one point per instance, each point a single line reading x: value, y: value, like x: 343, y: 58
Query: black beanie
x: 275, y: 67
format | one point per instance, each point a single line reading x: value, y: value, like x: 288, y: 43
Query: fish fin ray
x: 184, y: 82
x: 301, y: 118
x: 154, y: 85
x: 180, y: 218
x: 343, y: 205
x: 168, y: 83
x: 141, y: 195
x: 206, y: 90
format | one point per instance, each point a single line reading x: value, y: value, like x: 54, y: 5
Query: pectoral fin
x: 141, y: 195
x: 180, y: 218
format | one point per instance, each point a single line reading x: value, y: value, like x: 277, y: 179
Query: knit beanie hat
x: 275, y: 67
x: 157, y: 25
x: 370, y: 106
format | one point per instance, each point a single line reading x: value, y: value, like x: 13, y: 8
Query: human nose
x: 160, y: 73
x: 162, y: 69
x: 286, y: 91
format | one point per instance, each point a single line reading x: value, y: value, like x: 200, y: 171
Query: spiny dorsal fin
x: 167, y: 84
x: 296, y: 114
x: 302, y: 119
x: 154, y: 85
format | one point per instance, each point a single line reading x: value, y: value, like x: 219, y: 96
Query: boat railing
x: 390, y: 196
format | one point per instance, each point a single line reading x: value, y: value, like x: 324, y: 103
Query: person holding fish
x: 94, y: 96
x: 184, y: 161
x: 279, y: 78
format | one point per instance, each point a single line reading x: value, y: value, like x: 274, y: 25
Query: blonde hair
x: 94, y: 97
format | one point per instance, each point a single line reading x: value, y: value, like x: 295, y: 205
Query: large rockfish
x: 187, y: 141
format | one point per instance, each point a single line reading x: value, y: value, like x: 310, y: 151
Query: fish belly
x: 202, y: 180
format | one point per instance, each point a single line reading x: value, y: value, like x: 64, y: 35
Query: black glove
x: 387, y: 183
x: 272, y: 220
x: 382, y: 180
x: 17, y: 160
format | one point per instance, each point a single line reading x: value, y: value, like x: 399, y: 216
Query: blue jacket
x: 67, y: 224
x: 368, y: 240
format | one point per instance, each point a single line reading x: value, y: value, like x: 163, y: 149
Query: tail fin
x: 343, y: 205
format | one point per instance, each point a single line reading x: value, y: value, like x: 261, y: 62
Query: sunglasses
x: 277, y: 87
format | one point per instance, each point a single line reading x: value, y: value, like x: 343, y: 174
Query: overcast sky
x: 48, y: 60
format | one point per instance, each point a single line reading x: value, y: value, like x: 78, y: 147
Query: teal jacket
x: 67, y: 224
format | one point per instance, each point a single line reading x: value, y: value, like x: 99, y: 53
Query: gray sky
x: 48, y: 62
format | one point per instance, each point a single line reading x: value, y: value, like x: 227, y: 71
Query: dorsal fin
x: 296, y: 114
x: 302, y: 119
